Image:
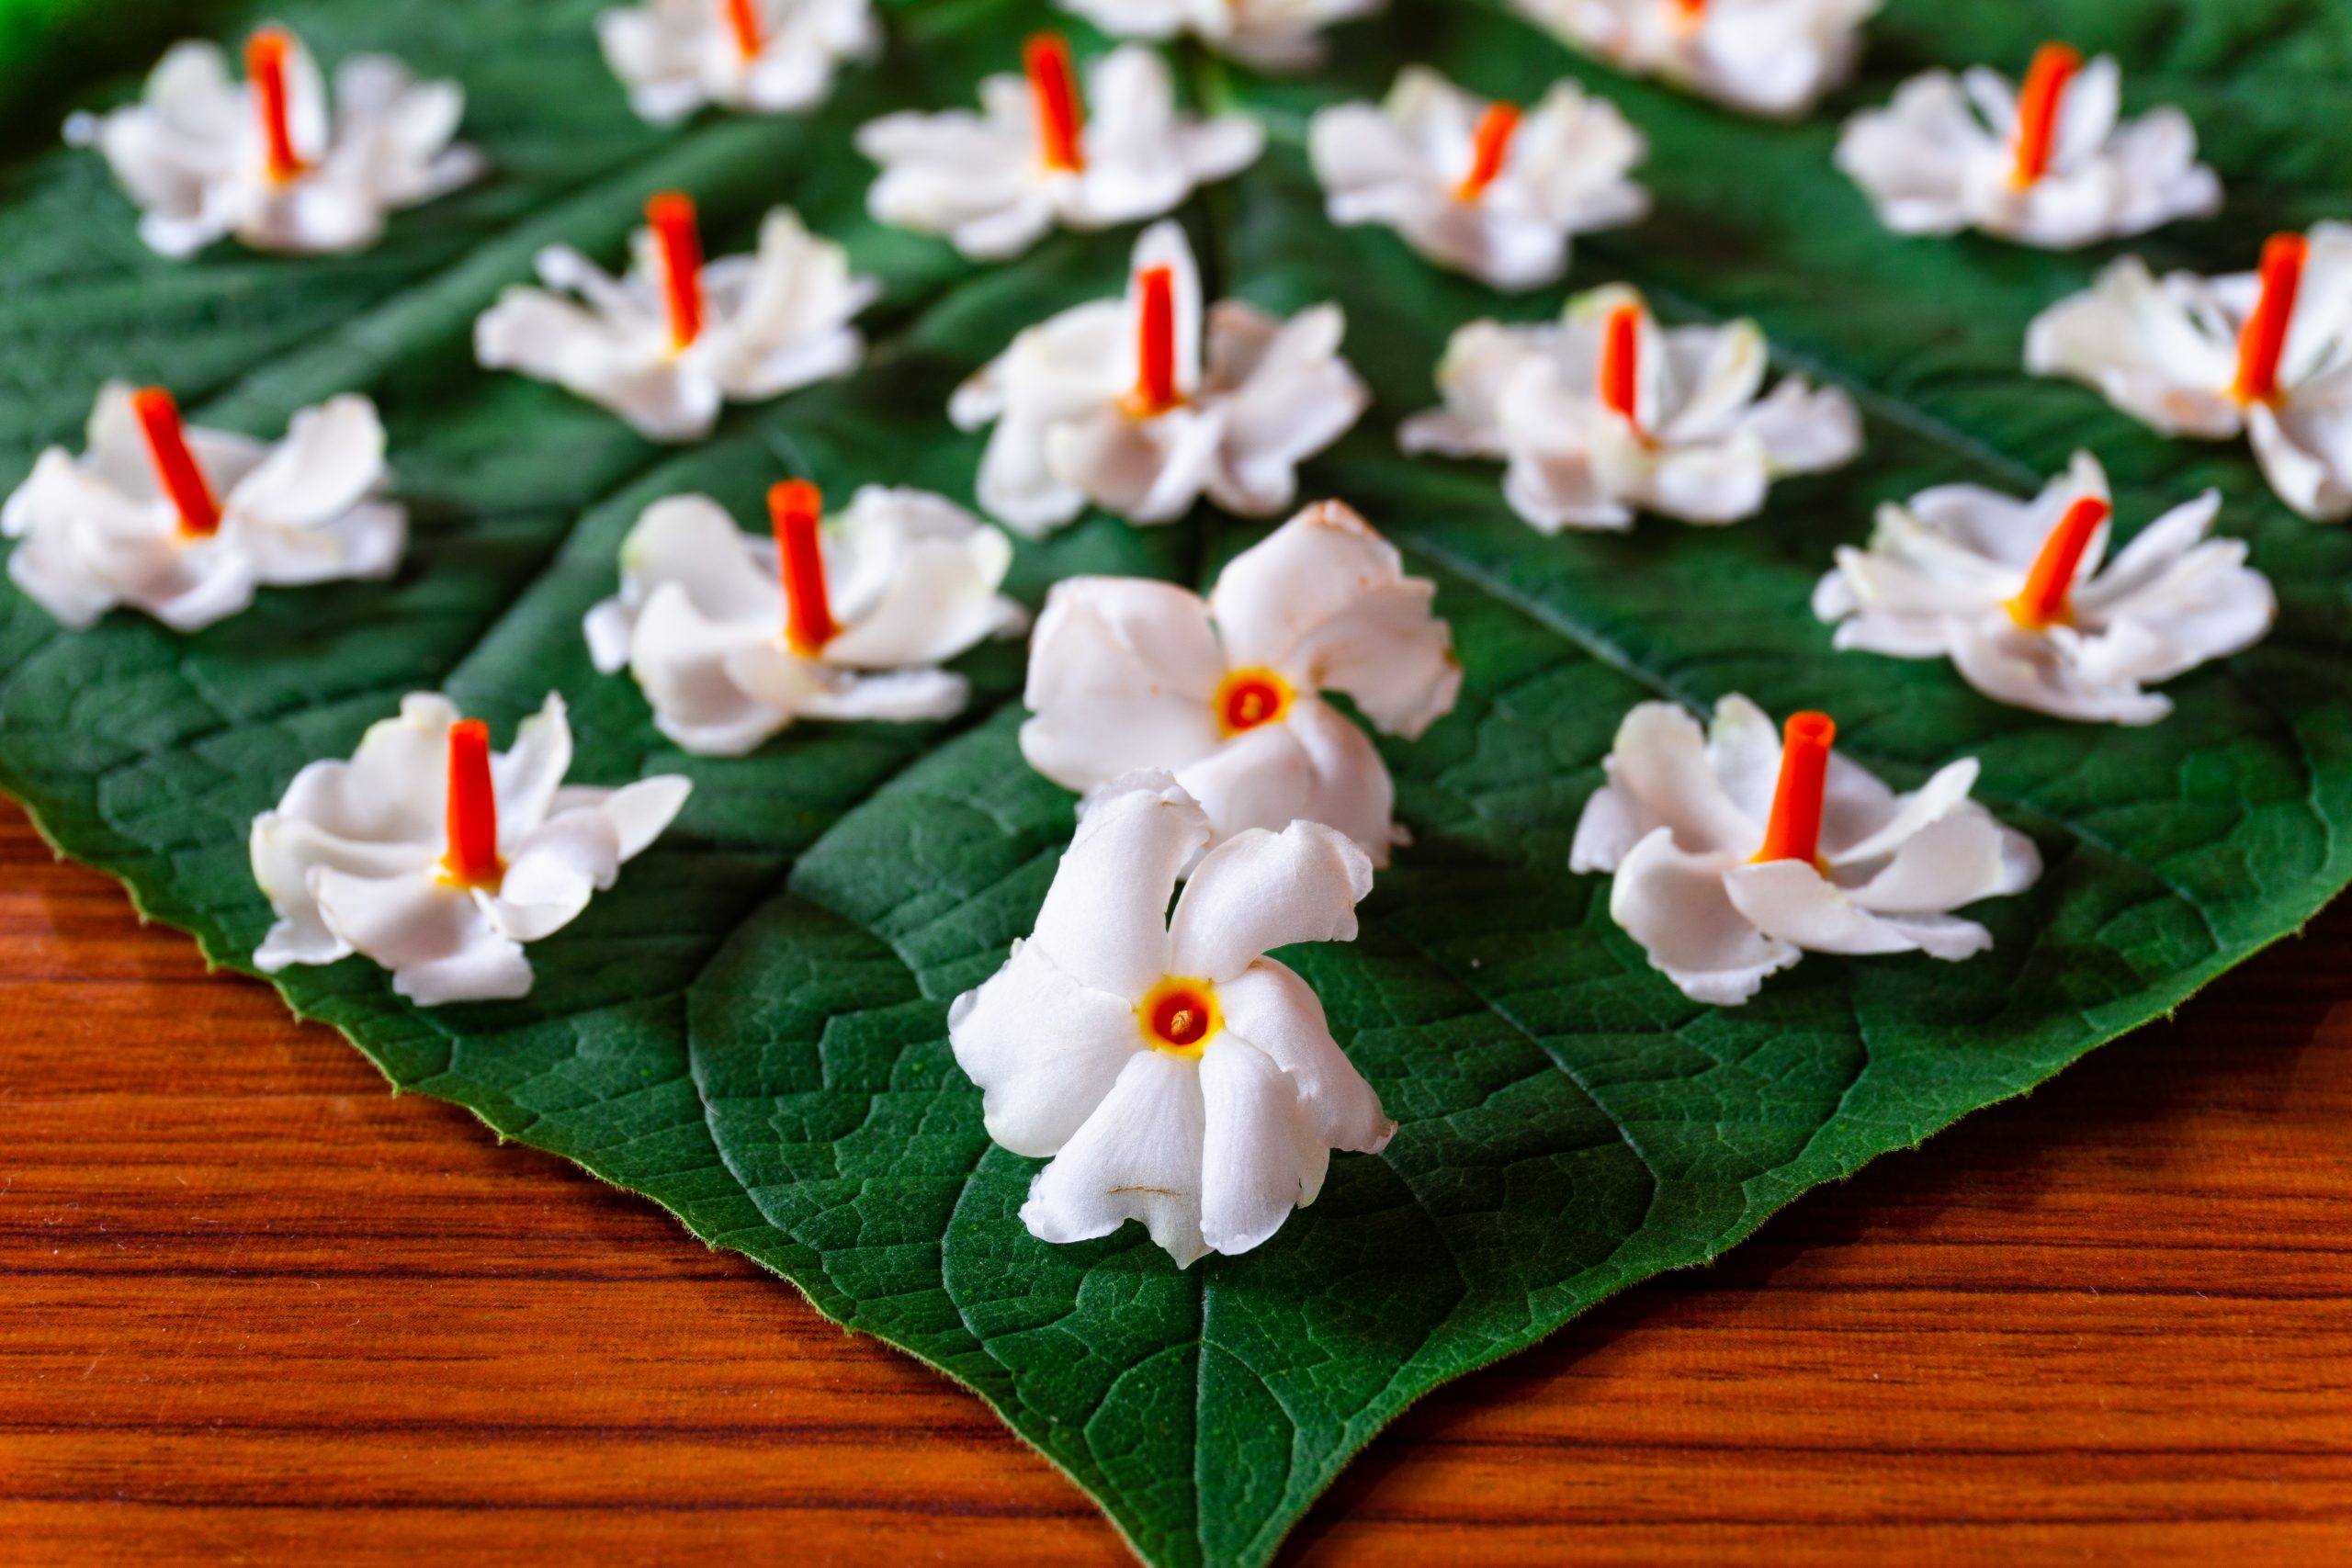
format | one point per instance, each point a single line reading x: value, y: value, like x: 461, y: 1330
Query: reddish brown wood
x: 254, y: 1309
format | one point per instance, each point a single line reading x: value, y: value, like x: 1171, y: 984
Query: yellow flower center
x: 1248, y: 698
x: 1178, y: 1016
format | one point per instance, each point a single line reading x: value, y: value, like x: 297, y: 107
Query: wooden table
x: 255, y: 1310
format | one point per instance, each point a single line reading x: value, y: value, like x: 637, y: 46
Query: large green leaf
x: 751, y: 1029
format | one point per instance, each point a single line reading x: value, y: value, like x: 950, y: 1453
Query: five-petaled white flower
x: 431, y: 857
x: 1039, y: 154
x: 732, y: 638
x: 1475, y: 186
x: 2049, y: 165
x: 2266, y: 354
x: 1140, y: 406
x: 205, y: 156
x: 1272, y: 35
x: 2012, y: 592
x: 1737, y: 852
x: 1605, y: 414
x: 185, y: 524
x: 1226, y: 693
x: 1763, y: 57
x: 1175, y: 1073
x: 664, y: 345
x: 768, y: 56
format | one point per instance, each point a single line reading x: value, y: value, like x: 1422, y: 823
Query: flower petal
x: 333, y: 455
x: 1804, y: 429
x: 527, y: 776
x: 1325, y: 601
x: 1861, y: 819
x: 1145, y: 471
x: 1277, y: 1012
x: 1121, y: 675
x: 1259, y: 778
x: 638, y: 812
x: 1348, y: 787
x: 433, y: 936
x: 1137, y: 1157
x: 284, y: 847
x: 1104, y: 918
x: 1258, y: 1159
x: 2305, y: 448
x: 1044, y: 1048
x: 1790, y: 902
x: 691, y: 541
x: 1913, y: 157
x: 2155, y: 550
x: 686, y: 664
x: 1483, y: 360
x: 1289, y: 396
x: 1660, y: 765
x: 553, y: 873
x: 1258, y: 891
x: 1714, y: 374
x: 393, y: 787
x: 915, y: 578
x: 2043, y: 671
x: 2207, y: 604
x: 1313, y: 766
x: 1952, y: 861
x: 1674, y: 903
x: 1794, y: 903
x: 896, y: 696
x: 2142, y: 343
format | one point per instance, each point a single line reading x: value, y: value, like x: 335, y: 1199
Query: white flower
x: 204, y: 156
x: 1605, y: 414
x: 1037, y: 155
x: 768, y: 56
x: 732, y: 638
x: 1175, y: 1073
x: 1140, y: 407
x: 2265, y: 354
x: 1272, y: 35
x: 1735, y: 854
x: 2012, y: 592
x: 185, y: 524
x: 664, y: 345
x: 1226, y: 693
x: 1474, y: 185
x: 429, y: 856
x: 1764, y: 57
x: 2049, y: 167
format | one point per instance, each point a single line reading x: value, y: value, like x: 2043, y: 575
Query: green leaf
x: 750, y: 1030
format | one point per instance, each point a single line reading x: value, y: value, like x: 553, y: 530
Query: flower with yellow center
x: 1760, y: 57
x: 2048, y: 162
x: 669, y: 342
x: 439, y: 859
x: 275, y: 160
x: 2025, y: 600
x: 1736, y: 850
x: 1606, y: 414
x: 1174, y: 1072
x: 1145, y: 405
x: 2266, y: 354
x: 759, y: 56
x: 1480, y: 186
x: 1226, y: 691
x: 187, y: 524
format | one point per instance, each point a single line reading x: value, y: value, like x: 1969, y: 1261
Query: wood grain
x: 255, y: 1310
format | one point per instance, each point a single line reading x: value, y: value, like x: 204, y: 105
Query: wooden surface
x: 255, y: 1310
